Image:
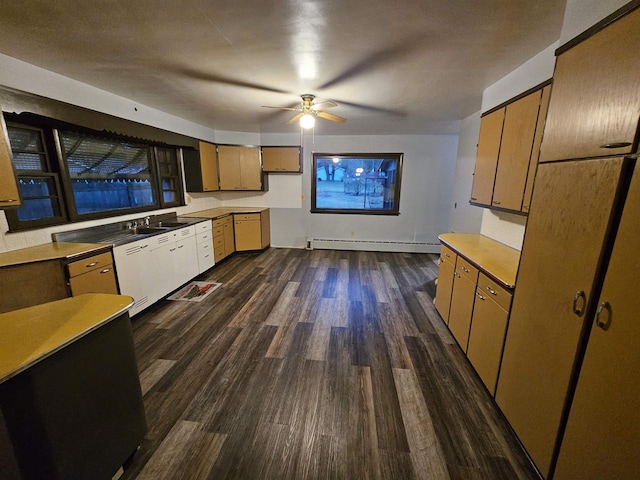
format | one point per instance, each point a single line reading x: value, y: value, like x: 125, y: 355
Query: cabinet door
x: 487, y: 157
x: 247, y: 232
x: 209, y: 166
x: 515, y: 151
x: 462, y: 298
x: 229, y: 166
x: 100, y: 280
x: 603, y: 430
x: 186, y: 266
x: 445, y: 282
x: 488, y: 327
x: 281, y: 159
x: 9, y: 194
x: 250, y: 168
x: 595, y: 100
x: 562, y: 247
x: 265, y: 229
x: 135, y: 271
x: 535, y: 151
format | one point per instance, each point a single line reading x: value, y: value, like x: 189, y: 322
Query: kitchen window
x: 67, y: 175
x: 356, y: 183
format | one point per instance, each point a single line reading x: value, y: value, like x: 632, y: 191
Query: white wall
x: 579, y: 15
x: 465, y: 218
x: 428, y: 168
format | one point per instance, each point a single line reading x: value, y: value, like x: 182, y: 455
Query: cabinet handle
x: 180, y: 246
x: 496, y: 203
x: 579, y: 311
x: 474, y: 198
x: 92, y: 264
x: 446, y: 255
x: 615, y: 145
x: 492, y: 292
x: 9, y: 200
x: 464, y: 269
x: 480, y: 296
x: 604, y: 324
x: 106, y: 270
x: 172, y: 250
x: 144, y: 246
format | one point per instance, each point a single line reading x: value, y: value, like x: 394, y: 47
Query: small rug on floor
x: 194, y: 291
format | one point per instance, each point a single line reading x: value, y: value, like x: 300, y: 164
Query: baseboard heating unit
x: 372, y: 245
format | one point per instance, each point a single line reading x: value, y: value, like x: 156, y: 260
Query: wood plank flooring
x: 315, y: 365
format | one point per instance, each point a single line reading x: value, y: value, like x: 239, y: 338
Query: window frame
x: 395, y: 211
x: 49, y: 171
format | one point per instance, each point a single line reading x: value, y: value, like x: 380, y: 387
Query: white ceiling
x: 394, y: 66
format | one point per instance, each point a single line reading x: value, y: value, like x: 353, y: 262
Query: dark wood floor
x: 312, y: 365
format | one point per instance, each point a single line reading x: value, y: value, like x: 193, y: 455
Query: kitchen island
x: 70, y: 398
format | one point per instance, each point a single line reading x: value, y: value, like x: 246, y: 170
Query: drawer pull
x: 92, y: 264
x: 579, y: 310
x: 180, y: 246
x: 496, y: 203
x: 144, y: 246
x: 447, y: 255
x: 480, y: 296
x: 172, y: 250
x: 474, y: 198
x: 615, y: 145
x: 464, y: 269
x: 9, y: 200
x: 606, y: 322
x: 106, y: 270
x: 492, y: 292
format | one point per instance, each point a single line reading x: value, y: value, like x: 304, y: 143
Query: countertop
x: 32, y: 334
x: 495, y: 259
x: 218, y: 212
x: 49, y: 251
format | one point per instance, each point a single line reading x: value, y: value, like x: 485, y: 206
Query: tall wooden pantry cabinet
x: 568, y: 383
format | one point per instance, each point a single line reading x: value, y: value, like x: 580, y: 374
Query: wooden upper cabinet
x: 535, y: 151
x: 282, y: 159
x: 9, y: 193
x: 240, y: 168
x: 487, y: 157
x: 595, y: 103
x: 201, y: 168
x: 518, y: 134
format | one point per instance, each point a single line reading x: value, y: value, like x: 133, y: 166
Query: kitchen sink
x: 148, y: 230
x: 173, y: 224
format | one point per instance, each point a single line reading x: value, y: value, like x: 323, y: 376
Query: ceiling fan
x: 309, y: 110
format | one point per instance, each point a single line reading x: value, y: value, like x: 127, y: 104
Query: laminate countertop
x: 497, y: 260
x: 219, y: 212
x: 32, y: 334
x: 50, y: 251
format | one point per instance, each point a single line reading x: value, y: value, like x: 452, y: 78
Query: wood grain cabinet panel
x: 9, y: 193
x: 445, y: 281
x: 560, y: 256
x: 595, y: 100
x: 462, y: 299
x: 487, y: 157
x: 240, y: 168
x: 520, y: 122
x: 201, y: 168
x: 100, y: 280
x: 535, y: 151
x: 603, y: 429
x: 282, y: 159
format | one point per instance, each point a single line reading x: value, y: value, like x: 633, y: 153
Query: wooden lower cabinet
x: 92, y: 275
x: 603, y: 427
x: 488, y: 328
x: 223, y: 241
x: 571, y: 210
x: 462, y: 298
x: 446, y: 272
x: 251, y: 230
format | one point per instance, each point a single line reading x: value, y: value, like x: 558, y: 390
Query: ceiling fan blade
x: 332, y: 117
x: 324, y: 105
x: 282, y: 108
x: 295, y: 119
x: 371, y: 108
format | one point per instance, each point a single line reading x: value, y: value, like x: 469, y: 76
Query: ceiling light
x: 307, y: 121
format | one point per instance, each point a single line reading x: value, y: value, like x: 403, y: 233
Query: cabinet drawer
x: 206, y: 260
x: 205, y: 246
x: 218, y: 242
x: 220, y: 222
x: 494, y: 291
x: 465, y: 269
x: 217, y: 231
x: 99, y: 280
x: 88, y: 264
x: 447, y: 255
x: 246, y: 216
x: 203, y: 226
x: 204, y: 237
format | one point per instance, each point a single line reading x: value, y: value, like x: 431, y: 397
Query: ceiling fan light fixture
x: 307, y: 121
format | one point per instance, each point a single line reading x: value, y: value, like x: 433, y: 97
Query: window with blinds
x: 107, y: 174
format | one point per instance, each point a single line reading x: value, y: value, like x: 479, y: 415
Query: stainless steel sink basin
x: 173, y: 224
x: 148, y: 230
